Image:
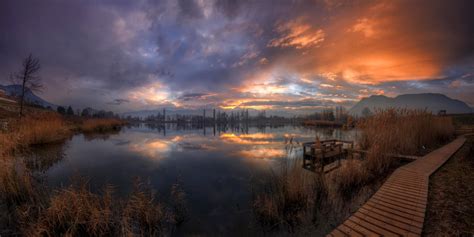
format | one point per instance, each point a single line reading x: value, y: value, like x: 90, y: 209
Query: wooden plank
x: 398, y: 204
x: 398, y: 207
x: 338, y: 233
x: 391, y: 223
x: 399, y: 200
x: 370, y: 226
x: 391, y: 218
x: 404, y: 196
x: 387, y: 227
x: 418, y: 220
x: 418, y: 193
x: 360, y: 228
x: 348, y: 231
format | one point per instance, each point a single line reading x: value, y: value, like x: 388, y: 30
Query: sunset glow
x: 299, y: 56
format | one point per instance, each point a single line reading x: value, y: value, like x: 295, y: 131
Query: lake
x: 214, y: 166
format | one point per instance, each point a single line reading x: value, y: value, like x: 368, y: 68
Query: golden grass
x: 288, y: 198
x: 73, y: 211
x: 16, y: 185
x: 28, y: 209
x: 100, y: 125
x: 388, y: 132
x: 292, y: 196
x: 42, y: 128
x: 401, y: 131
x: 33, y: 129
x: 351, y: 176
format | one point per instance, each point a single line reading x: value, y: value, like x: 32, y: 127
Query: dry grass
x: 292, y: 196
x: 392, y: 131
x: 350, y: 177
x: 16, y: 185
x: 288, y: 197
x: 33, y: 129
x: 28, y: 209
x: 41, y: 128
x: 73, y: 211
x: 401, y: 131
x: 405, y: 131
x: 100, y: 125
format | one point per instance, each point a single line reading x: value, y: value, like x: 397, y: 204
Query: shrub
x: 100, y: 125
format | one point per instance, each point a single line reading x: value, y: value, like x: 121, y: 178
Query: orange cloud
x: 373, y: 44
x: 297, y: 34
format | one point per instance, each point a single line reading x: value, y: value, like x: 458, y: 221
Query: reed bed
x: 288, y: 197
x: 100, y: 125
x: 401, y: 131
x: 33, y: 129
x: 293, y: 197
x: 29, y: 209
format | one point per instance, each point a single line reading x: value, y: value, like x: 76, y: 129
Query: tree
x: 28, y: 78
x: 85, y: 113
x: 61, y: 110
x: 70, y: 111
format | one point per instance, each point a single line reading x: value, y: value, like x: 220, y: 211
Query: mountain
x: 432, y: 102
x: 30, y: 97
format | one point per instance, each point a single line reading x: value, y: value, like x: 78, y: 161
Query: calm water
x: 214, y: 167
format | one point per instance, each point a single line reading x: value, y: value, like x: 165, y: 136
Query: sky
x: 293, y: 55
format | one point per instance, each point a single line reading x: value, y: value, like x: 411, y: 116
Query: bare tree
x: 28, y: 77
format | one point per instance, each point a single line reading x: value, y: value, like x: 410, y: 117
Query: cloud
x: 119, y: 101
x: 297, y: 34
x: 194, y: 96
x: 193, y: 53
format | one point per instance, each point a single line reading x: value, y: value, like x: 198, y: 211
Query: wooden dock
x: 398, y: 208
x: 316, y: 155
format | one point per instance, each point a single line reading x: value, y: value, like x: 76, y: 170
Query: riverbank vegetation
x: 293, y: 196
x: 30, y: 208
x: 100, y: 125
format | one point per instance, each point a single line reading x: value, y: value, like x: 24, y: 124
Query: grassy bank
x: 295, y: 200
x: 45, y: 127
x: 450, y: 210
x: 29, y: 208
x: 100, y: 125
x: 33, y: 129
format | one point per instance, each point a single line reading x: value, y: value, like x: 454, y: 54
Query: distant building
x: 442, y: 112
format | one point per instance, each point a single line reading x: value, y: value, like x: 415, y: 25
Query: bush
x: 100, y: 125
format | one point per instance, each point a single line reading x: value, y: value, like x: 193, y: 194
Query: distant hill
x: 430, y: 101
x: 30, y: 97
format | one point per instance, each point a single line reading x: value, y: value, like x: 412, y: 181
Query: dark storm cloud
x: 118, y: 101
x: 193, y: 96
x: 165, y: 51
x: 190, y: 8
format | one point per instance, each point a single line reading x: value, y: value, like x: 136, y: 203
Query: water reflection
x: 214, y: 164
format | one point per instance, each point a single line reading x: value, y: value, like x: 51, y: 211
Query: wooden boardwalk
x: 398, y: 208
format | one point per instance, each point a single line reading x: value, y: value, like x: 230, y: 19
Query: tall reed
x: 100, y: 125
x: 287, y: 197
x: 401, y: 131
